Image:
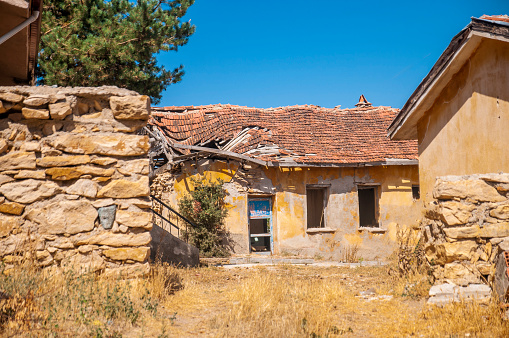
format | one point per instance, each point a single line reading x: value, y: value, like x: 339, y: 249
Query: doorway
x: 260, y: 225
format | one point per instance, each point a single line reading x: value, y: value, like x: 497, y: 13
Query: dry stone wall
x: 74, y: 181
x: 467, y: 227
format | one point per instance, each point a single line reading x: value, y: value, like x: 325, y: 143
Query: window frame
x: 376, y: 196
x: 325, y: 188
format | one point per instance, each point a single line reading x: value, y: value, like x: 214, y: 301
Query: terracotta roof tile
x: 307, y: 134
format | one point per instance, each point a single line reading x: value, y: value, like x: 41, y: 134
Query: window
x: 368, y: 206
x: 316, y: 199
x: 416, y: 192
x: 260, y: 219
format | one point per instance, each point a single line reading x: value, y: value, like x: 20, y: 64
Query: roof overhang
x: 461, y: 48
x: 18, y: 54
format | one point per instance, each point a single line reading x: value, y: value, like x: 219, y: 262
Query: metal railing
x: 169, y: 219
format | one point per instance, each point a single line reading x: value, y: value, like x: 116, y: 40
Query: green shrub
x: 205, y: 206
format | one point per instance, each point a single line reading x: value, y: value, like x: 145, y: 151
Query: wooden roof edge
x: 493, y: 28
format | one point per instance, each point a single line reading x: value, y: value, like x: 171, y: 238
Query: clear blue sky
x: 263, y: 54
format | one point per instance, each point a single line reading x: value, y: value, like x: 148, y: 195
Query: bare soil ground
x: 307, y: 301
x: 257, y: 301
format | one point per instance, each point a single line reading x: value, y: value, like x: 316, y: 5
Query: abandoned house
x: 460, y: 116
x: 460, y: 112
x: 305, y: 180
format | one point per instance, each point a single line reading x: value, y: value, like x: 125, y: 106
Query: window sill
x: 320, y: 230
x: 369, y: 229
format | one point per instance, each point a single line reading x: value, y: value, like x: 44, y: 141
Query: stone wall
x: 467, y: 227
x: 74, y: 181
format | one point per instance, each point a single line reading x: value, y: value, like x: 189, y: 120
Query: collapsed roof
x: 303, y: 135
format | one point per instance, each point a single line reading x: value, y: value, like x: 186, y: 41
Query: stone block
x: 474, y: 189
x: 460, y: 270
x: 85, y: 263
x: 7, y: 223
x: 102, y: 144
x: 107, y: 216
x: 130, y: 107
x: 63, y: 161
x: 104, y: 160
x: 64, y: 217
x: 60, y: 110
x: 455, y: 213
x: 459, y: 251
x: 475, y: 292
x: 83, y: 187
x: 12, y: 208
x: 3, y: 146
x: 36, y: 101
x: 125, y: 189
x: 496, y: 178
x: 31, y: 146
x: 504, y: 244
x: 443, y: 289
x: 114, y: 240
x: 501, y: 282
x: 61, y: 243
x: 11, y: 97
x: 134, y: 219
x: 495, y: 230
x: 140, y: 254
x: 29, y: 191
x: 17, y: 160
x: 502, y: 188
x: 104, y: 202
x: 128, y: 271
x: 35, y: 174
x: 37, y: 114
x: 5, y: 179
x: 84, y: 249
x: 484, y: 268
x: 134, y: 167
x: 70, y: 173
x: 462, y: 232
x: 137, y: 202
x: 13, y: 243
x: 501, y: 211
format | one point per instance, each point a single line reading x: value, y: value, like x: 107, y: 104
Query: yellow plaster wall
x: 466, y: 129
x: 396, y: 206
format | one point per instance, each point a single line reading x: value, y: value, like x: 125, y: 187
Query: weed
x: 350, y: 253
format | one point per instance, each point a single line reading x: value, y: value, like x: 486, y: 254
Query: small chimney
x: 363, y: 103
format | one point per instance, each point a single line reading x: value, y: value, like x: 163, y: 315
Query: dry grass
x: 272, y: 301
x: 350, y: 253
x: 35, y: 302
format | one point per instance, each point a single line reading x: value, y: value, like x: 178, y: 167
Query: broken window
x: 416, y: 192
x: 260, y: 217
x: 368, y: 206
x: 316, y: 199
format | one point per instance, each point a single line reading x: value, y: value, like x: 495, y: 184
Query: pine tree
x: 112, y: 42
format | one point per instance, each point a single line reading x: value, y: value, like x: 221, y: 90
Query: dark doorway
x: 316, y: 207
x: 367, y: 206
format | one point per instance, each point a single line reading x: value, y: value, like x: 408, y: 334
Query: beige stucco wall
x: 287, y: 186
x: 466, y: 130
